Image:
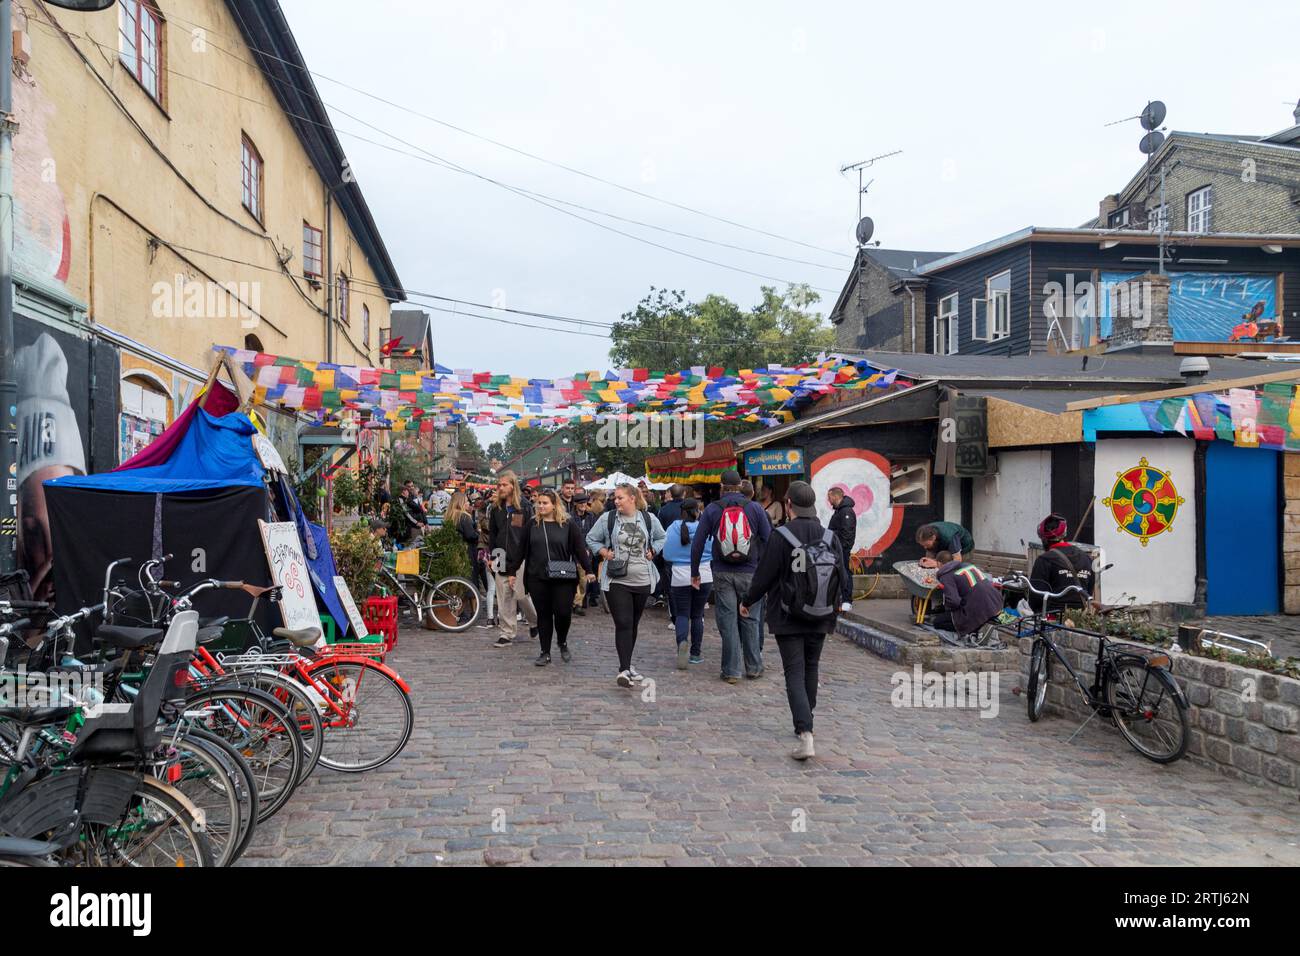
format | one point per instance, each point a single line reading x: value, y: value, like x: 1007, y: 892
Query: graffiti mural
x: 863, y: 476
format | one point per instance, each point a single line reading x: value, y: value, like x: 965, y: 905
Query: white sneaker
x: 624, y: 679
x: 804, y: 748
x: 632, y: 672
x: 846, y: 607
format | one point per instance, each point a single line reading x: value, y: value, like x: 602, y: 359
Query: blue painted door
x: 1242, y: 536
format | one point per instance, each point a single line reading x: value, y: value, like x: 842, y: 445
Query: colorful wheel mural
x: 863, y: 476
x: 1143, y: 502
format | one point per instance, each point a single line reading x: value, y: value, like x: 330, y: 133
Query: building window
x: 365, y: 327
x: 1118, y: 219
x: 945, y: 326
x: 253, y: 343
x: 139, y: 34
x: 344, y: 296
x: 312, y: 243
x: 909, y: 482
x: 252, y: 176
x: 1198, y: 210
x: 1158, y: 218
x: 999, y: 306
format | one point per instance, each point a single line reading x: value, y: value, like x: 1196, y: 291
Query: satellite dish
x: 85, y: 6
x: 1151, y: 142
x: 864, y: 231
x: 1153, y: 115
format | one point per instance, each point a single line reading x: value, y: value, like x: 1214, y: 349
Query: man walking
x: 739, y: 529
x: 798, y: 575
x: 508, y: 520
x: 844, y: 525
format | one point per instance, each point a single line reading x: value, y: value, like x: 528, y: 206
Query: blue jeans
x: 739, y: 634
x: 688, y: 608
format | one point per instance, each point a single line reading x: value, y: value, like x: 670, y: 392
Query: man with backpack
x: 739, y: 528
x: 1059, y: 566
x: 800, y: 574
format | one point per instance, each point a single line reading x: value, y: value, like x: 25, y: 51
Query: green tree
x: 469, y: 446
x: 667, y: 333
x: 496, y: 450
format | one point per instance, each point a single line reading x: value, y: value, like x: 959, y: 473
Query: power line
x: 501, y: 145
x: 540, y: 198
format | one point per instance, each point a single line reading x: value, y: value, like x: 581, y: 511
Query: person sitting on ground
x: 943, y: 536
x: 970, y: 599
x: 1061, y: 565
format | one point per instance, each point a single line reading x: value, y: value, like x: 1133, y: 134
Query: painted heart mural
x: 863, y: 476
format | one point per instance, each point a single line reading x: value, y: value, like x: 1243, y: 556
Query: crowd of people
x: 543, y: 555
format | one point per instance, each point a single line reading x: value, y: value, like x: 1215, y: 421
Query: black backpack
x: 1070, y: 575
x: 810, y: 586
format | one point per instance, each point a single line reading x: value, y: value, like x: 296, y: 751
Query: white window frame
x: 313, y: 245
x: 1158, y: 216
x: 999, y: 307
x: 252, y: 177
x: 946, y: 325
x: 1200, y: 206
x: 974, y: 326
x: 1119, y: 218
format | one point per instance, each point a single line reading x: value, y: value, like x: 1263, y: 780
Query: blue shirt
x: 759, y: 523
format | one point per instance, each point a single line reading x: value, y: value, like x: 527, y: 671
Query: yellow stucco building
x: 178, y: 185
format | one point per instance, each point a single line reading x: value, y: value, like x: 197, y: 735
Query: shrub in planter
x: 444, y: 554
x: 347, y: 492
x: 356, y: 555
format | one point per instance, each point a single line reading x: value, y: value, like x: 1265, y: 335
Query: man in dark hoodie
x: 844, y: 525
x: 970, y: 599
x: 739, y: 529
x: 800, y: 638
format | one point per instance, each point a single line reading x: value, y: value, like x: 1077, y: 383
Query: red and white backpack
x: 734, y: 534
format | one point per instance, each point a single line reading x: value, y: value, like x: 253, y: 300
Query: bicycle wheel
x: 369, y: 717
x: 450, y: 605
x: 245, y: 789
x: 262, y: 732
x: 1039, y: 677
x: 1145, y: 706
x: 299, y: 702
x: 209, y: 781
x: 159, y: 828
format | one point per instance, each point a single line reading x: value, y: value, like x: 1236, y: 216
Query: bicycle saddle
x: 128, y: 638
x: 302, y: 637
x: 36, y: 715
x: 205, y: 622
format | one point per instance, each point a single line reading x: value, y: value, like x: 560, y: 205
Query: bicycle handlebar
x: 1020, y: 582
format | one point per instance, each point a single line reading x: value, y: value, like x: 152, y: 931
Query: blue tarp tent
x: 196, y: 492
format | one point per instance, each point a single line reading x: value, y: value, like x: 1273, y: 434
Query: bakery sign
x: 774, y: 461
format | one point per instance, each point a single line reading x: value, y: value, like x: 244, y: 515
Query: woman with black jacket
x: 551, y: 541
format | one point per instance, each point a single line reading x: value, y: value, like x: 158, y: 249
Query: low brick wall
x: 1243, y: 722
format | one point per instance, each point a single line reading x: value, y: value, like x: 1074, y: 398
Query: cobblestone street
x: 511, y: 763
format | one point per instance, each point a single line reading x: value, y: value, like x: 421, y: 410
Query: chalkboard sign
x: 963, y: 448
x: 289, y: 571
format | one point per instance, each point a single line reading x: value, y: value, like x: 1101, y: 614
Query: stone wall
x: 1243, y: 722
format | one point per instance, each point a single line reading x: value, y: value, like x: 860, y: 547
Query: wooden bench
x: 998, y: 563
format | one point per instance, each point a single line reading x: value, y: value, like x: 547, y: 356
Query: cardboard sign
x: 350, y: 606
x: 408, y: 562
x: 289, y: 571
x: 267, y: 454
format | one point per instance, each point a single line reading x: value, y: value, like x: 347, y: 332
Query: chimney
x: 1296, y: 113
x: 1108, y: 205
x: 1141, y: 314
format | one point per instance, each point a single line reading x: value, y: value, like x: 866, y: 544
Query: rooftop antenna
x: 865, y: 225
x: 1151, y: 118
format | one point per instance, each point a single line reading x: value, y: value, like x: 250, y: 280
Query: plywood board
x: 1012, y: 425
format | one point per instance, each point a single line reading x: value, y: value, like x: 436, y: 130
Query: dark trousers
x: 847, y: 596
x: 554, y: 603
x: 800, y: 654
x: 688, y: 606
x: 625, y: 606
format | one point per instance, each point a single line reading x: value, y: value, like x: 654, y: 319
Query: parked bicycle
x: 1135, y: 690
x: 449, y: 604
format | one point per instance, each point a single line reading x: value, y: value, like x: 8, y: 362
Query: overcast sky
x: 747, y: 111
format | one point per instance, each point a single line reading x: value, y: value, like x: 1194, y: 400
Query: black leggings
x: 625, y: 606
x: 800, y: 654
x: 554, y: 603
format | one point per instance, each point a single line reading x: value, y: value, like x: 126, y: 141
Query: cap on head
x: 1052, y: 529
x: 730, y: 478
x: 803, y: 500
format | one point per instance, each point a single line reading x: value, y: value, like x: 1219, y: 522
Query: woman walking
x: 508, y: 519
x: 553, y: 553
x: 459, y: 517
x: 687, y: 602
x: 627, y: 539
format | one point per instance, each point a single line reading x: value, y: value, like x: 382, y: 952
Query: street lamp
x: 8, y: 387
